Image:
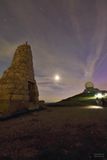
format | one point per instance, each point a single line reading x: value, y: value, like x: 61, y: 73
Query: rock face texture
x: 18, y: 88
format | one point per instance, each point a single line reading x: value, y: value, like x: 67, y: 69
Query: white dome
x: 89, y: 85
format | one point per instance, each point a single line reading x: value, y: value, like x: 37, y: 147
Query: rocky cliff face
x: 17, y: 82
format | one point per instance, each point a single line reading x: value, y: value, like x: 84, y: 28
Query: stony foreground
x: 55, y: 134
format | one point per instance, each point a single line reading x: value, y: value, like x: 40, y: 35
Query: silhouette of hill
x: 79, y: 99
x: 87, y: 97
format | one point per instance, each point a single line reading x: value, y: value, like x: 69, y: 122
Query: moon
x: 57, y: 77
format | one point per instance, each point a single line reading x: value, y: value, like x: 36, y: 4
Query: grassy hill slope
x: 80, y: 99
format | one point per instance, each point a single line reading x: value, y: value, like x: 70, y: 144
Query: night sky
x: 68, y: 37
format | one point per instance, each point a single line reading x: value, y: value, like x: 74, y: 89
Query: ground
x: 57, y: 133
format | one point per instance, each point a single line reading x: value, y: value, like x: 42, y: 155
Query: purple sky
x: 68, y: 37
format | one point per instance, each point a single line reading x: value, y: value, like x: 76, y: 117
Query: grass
x: 55, y: 133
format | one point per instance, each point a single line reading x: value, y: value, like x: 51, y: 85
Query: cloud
x: 6, y: 49
x: 66, y: 37
x: 98, y: 41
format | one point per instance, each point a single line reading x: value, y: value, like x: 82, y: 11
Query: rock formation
x: 18, y: 88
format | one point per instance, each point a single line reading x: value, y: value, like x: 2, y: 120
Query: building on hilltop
x: 89, y: 88
x: 18, y: 88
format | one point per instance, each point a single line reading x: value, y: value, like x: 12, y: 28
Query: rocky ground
x: 57, y: 133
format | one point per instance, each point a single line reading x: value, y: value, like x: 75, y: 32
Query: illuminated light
x: 57, y: 77
x: 94, y: 107
x: 105, y: 94
x: 99, y: 95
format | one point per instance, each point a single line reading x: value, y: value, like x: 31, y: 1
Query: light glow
x: 99, y: 95
x: 94, y: 107
x: 57, y: 77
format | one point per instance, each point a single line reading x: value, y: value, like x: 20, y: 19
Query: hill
x: 87, y: 97
x: 79, y: 99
